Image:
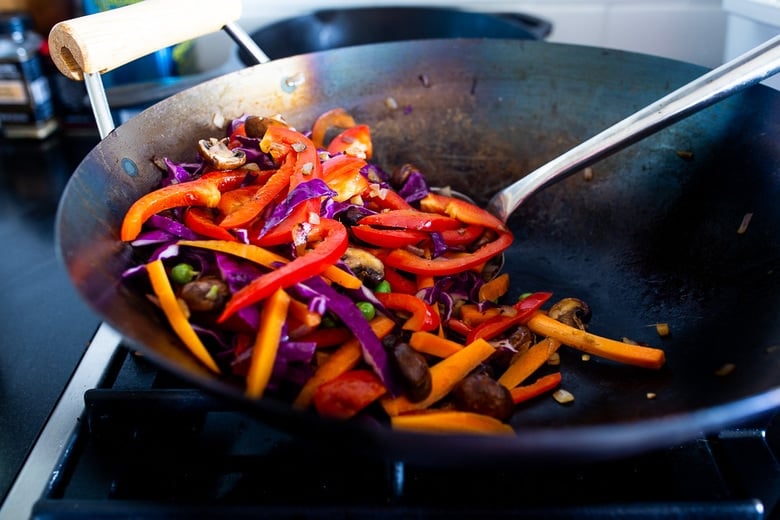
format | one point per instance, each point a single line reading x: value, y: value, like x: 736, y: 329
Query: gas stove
x: 139, y: 443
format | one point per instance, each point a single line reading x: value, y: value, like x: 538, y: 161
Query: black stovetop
x: 45, y: 326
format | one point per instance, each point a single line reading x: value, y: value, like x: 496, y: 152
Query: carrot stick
x: 264, y: 257
x: 433, y: 344
x: 526, y: 364
x: 449, y: 421
x: 540, y: 386
x: 495, y: 288
x: 444, y: 376
x: 301, y: 311
x: 645, y: 357
x: 343, y: 358
x: 272, y: 318
x: 176, y: 317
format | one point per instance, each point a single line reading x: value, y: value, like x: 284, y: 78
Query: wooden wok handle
x: 104, y: 41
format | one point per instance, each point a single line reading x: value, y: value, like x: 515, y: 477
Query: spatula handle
x: 104, y: 41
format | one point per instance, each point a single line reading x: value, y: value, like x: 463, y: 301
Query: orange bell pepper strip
x: 176, y: 317
x: 334, y: 118
x: 354, y: 141
x: 348, y: 394
x: 201, y: 221
x: 445, y: 265
x: 272, y: 320
x: 324, y: 254
x: 390, y: 238
x: 410, y: 219
x: 249, y: 207
x: 342, y: 174
x: 462, y: 210
x: 204, y: 191
x: 193, y: 193
x: 525, y: 309
x: 423, y: 316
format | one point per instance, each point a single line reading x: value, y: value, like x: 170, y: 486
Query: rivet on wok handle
x: 104, y: 41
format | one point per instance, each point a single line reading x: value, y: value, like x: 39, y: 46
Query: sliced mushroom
x: 415, y: 375
x: 571, y: 311
x: 480, y: 393
x: 256, y: 126
x: 217, y: 153
x: 207, y: 294
x: 366, y: 266
x: 507, y: 349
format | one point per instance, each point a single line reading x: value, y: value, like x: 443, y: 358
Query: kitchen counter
x: 45, y: 325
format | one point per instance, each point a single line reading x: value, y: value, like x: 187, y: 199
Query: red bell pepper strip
x: 389, y: 199
x: 227, y: 180
x: 353, y: 141
x: 391, y: 238
x: 283, y: 232
x: 462, y: 210
x: 201, y: 221
x: 325, y: 253
x: 495, y: 326
x: 238, y: 131
x: 254, y: 204
x: 423, y: 317
x: 410, y: 219
x: 348, y: 394
x: 307, y: 162
x: 541, y: 386
x: 399, y: 283
x: 444, y: 265
x: 463, y: 236
x: 459, y: 326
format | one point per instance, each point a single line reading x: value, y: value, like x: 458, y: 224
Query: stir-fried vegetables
x: 287, y: 260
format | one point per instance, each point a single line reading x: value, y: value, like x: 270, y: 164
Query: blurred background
x: 703, y: 32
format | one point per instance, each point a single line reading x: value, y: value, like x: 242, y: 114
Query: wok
x: 653, y: 237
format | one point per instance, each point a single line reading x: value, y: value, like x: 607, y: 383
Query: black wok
x: 651, y: 238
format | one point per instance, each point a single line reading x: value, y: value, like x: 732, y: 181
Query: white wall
x: 689, y: 30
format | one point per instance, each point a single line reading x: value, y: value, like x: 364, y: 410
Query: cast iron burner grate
x: 149, y: 446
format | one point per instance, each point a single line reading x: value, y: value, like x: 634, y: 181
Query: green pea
x: 368, y: 310
x: 382, y: 287
x: 328, y: 321
x: 183, y: 273
x: 524, y: 296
